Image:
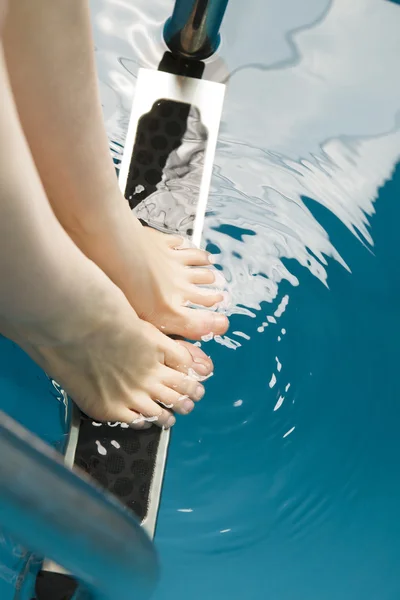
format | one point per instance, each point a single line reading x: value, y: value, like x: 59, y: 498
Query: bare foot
x: 160, y: 280
x: 175, y: 276
x: 201, y: 363
x: 124, y: 369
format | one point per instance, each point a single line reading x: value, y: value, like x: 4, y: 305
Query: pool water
x: 292, y: 493
x: 284, y: 483
x: 38, y: 403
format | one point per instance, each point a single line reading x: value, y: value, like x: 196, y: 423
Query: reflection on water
x: 317, y: 120
x: 40, y: 405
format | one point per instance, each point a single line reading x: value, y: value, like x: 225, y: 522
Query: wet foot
x: 162, y: 280
x: 124, y: 369
x: 175, y: 282
x: 201, y: 363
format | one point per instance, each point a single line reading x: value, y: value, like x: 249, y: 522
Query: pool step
x: 172, y: 137
x: 126, y: 462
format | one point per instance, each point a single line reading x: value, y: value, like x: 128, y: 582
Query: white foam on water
x: 289, y: 432
x: 192, y: 374
x: 227, y: 341
x: 150, y: 419
x: 207, y: 338
x: 279, y: 403
x: 61, y: 394
x: 241, y: 334
x: 282, y: 306
x: 118, y: 424
x: 182, y: 398
x: 100, y: 449
x: 165, y: 405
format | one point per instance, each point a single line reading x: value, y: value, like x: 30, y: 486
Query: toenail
x: 202, y: 369
x: 187, y: 406
x: 170, y: 423
x: 202, y: 366
x: 199, y: 392
x: 220, y: 321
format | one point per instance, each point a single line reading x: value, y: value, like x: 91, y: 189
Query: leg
x: 49, y: 53
x: 62, y: 309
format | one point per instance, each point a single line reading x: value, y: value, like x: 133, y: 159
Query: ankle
x: 107, y: 218
x: 93, y: 304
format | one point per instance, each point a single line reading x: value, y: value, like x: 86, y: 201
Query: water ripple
x: 286, y: 465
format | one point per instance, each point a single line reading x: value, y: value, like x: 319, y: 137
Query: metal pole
x: 193, y: 29
x: 57, y: 513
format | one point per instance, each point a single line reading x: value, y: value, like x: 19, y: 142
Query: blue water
x: 315, y: 514
x: 33, y: 400
x: 284, y: 483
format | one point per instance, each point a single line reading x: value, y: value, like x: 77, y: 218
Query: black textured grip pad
x: 120, y: 459
x: 159, y: 133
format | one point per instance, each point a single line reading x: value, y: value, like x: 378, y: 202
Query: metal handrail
x: 58, y: 513
x: 193, y: 29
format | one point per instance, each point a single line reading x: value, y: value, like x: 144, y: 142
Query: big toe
x: 202, y: 363
x: 195, y: 324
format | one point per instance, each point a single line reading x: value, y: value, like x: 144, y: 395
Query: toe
x: 194, y: 257
x: 204, y: 297
x: 192, y: 324
x: 131, y: 417
x: 202, y: 363
x: 151, y: 412
x: 176, y: 355
x: 201, y: 276
x: 199, y: 323
x: 184, y: 385
x: 174, y: 241
x: 171, y: 240
x: 139, y: 422
x: 179, y: 403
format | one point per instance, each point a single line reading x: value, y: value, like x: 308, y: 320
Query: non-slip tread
x: 122, y: 460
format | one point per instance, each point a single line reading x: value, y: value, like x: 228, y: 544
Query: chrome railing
x: 193, y: 29
x: 57, y: 513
